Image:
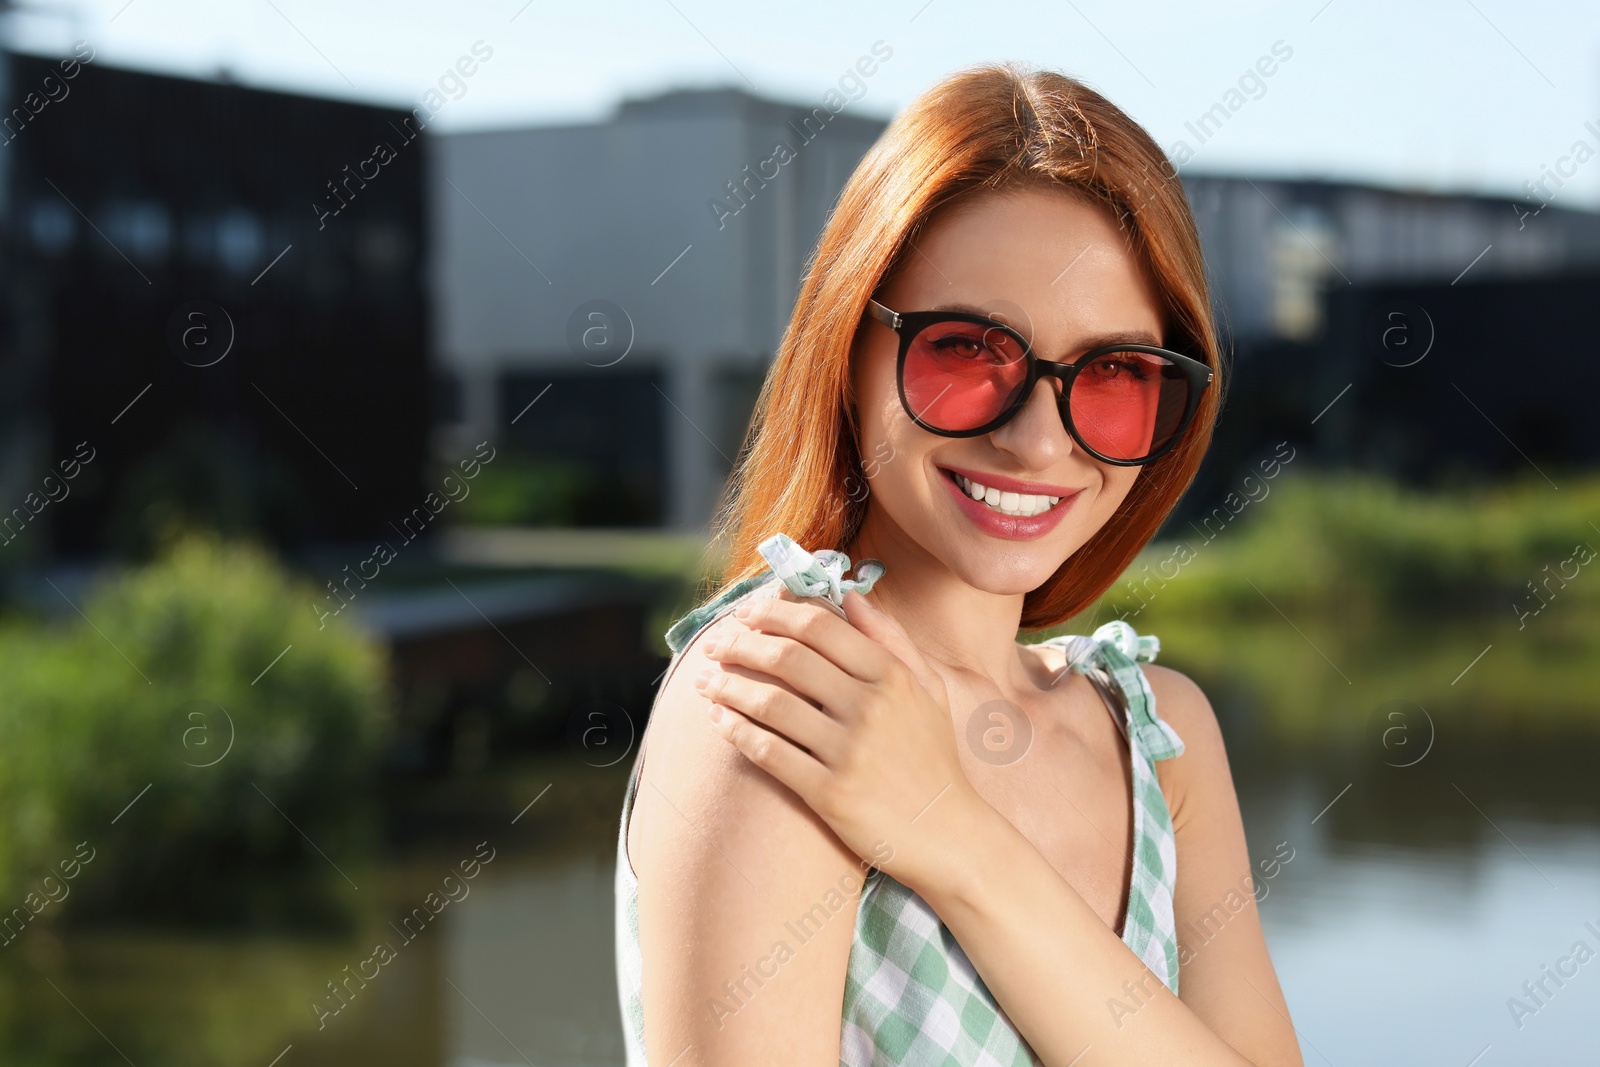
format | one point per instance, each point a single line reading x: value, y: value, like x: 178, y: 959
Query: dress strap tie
x: 805, y: 574
x: 1113, y: 655
x: 819, y: 573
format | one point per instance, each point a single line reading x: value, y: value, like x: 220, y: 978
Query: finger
x: 772, y: 753
x: 797, y: 665
x: 818, y: 628
x: 777, y: 709
x: 865, y: 616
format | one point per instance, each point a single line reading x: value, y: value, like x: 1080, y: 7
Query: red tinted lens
x: 1126, y: 404
x: 962, y: 375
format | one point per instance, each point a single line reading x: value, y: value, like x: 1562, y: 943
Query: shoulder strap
x: 682, y: 632
x: 1110, y: 659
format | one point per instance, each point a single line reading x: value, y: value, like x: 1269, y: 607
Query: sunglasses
x: 962, y: 375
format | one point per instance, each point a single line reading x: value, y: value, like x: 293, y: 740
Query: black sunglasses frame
x: 909, y: 324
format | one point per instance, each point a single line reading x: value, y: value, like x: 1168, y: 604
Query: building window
x: 142, y: 229
x: 734, y: 389
x: 240, y: 242
x: 51, y: 226
x: 1302, y: 254
x: 382, y: 248
x: 590, y: 452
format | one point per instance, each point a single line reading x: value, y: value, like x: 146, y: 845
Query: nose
x: 1036, y: 436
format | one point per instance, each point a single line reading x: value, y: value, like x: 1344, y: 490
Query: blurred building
x: 630, y: 280
x: 1478, y: 381
x: 1274, y: 248
x: 217, y: 292
x: 254, y: 307
x: 1398, y: 332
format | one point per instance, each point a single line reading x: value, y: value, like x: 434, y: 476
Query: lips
x: 1017, y: 514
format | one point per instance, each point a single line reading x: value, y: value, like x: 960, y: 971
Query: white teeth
x: 1025, y: 505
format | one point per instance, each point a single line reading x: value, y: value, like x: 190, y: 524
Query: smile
x: 1019, y: 505
x: 1013, y: 510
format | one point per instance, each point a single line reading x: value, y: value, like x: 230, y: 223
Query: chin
x: 1008, y: 570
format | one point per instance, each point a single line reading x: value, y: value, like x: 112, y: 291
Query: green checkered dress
x: 911, y: 995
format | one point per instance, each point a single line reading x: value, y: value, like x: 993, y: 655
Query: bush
x: 1365, y: 547
x: 515, y: 491
x: 519, y: 490
x: 159, y: 683
x: 1402, y: 589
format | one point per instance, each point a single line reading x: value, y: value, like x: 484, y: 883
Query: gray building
x: 642, y: 269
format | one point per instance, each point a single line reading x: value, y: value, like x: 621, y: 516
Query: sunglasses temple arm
x: 882, y: 314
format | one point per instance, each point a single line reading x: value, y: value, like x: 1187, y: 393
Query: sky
x: 1469, y: 95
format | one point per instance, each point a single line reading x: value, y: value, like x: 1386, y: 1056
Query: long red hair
x: 986, y: 128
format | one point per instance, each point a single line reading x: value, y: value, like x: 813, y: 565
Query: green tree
x: 204, y: 686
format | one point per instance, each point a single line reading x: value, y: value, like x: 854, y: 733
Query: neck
x: 953, y: 624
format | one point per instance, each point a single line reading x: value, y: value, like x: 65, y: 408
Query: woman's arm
x: 734, y: 871
x: 1065, y: 978
x: 881, y: 766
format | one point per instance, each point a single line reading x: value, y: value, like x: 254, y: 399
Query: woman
x: 1000, y: 374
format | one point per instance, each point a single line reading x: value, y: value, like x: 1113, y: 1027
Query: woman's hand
x: 859, y: 727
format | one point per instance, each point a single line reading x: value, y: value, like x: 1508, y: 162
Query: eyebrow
x: 1088, y: 344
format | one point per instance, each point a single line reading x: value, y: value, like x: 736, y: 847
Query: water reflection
x: 1405, y: 956
x: 1418, y: 902
x: 1422, y: 897
x: 529, y: 971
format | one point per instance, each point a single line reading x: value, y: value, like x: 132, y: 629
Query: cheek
x: 891, y: 445
x: 1114, y: 489
x: 878, y: 405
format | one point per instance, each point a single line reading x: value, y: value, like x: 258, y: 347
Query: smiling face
x: 1058, y: 270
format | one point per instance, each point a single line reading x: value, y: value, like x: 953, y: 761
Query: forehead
x: 1053, y: 264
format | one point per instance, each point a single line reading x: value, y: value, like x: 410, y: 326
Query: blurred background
x: 370, y: 372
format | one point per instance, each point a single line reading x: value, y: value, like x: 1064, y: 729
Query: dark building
x: 220, y: 290
x: 1396, y: 332
x: 1464, y: 382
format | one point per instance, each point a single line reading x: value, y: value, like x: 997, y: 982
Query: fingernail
x: 715, y: 711
x: 702, y: 679
x: 711, y: 645
x: 742, y: 611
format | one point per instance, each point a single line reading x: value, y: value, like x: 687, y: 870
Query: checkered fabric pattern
x: 1113, y: 655
x: 912, y: 998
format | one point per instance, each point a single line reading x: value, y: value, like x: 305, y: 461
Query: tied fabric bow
x: 1112, y: 657
x: 818, y: 573
x: 806, y: 574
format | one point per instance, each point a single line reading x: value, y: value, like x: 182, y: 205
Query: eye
x: 1125, y: 366
x: 975, y: 349
x: 960, y: 345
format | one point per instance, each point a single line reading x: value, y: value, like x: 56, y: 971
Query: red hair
x: 988, y: 128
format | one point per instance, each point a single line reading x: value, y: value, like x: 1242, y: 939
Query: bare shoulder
x: 738, y: 881
x: 1179, y: 700
x: 1183, y: 704
x: 1203, y: 768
